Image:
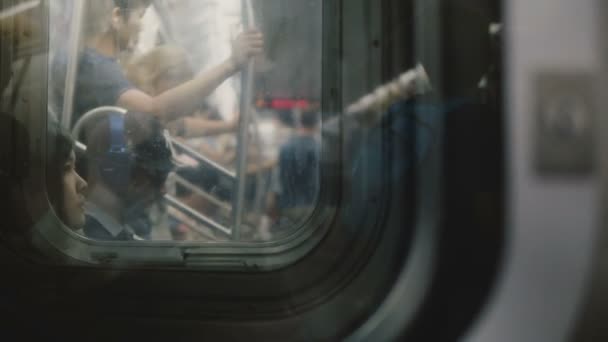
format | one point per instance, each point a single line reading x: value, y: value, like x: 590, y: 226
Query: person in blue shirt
x: 297, y: 185
x: 111, y: 27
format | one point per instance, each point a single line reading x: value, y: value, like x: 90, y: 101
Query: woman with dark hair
x: 65, y: 187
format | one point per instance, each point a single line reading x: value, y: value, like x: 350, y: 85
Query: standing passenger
x: 65, y: 188
x: 111, y: 27
x: 299, y: 169
x: 164, y: 68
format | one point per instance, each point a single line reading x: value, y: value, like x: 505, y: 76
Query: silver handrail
x: 177, y: 204
x: 201, y: 159
x: 243, y: 137
x: 72, y: 64
x: 92, y: 114
x: 181, y: 207
x: 202, y: 193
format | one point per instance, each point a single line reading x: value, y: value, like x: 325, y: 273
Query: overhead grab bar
x: 177, y: 204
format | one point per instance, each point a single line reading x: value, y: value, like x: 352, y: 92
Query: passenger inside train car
x: 110, y: 28
x: 296, y: 183
x: 128, y: 166
x: 65, y: 188
x: 157, y: 71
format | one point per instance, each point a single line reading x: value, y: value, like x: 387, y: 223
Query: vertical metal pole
x: 72, y: 63
x: 243, y: 137
x: 167, y: 27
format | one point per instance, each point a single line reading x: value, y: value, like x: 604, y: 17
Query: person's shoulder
x: 302, y: 142
x: 93, y: 60
x: 93, y: 229
x: 289, y: 142
x: 288, y: 148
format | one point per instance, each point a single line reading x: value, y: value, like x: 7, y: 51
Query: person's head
x: 129, y: 156
x: 286, y: 118
x: 161, y: 69
x: 120, y: 18
x: 309, y: 119
x: 65, y: 188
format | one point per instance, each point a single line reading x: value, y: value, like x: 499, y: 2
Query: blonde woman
x: 164, y: 68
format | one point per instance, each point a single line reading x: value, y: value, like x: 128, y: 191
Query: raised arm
x: 192, y: 127
x: 169, y: 104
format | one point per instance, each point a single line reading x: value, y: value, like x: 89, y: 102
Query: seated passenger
x: 65, y: 188
x: 128, y: 166
x: 110, y: 28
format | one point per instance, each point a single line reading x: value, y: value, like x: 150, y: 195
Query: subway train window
x: 228, y: 140
x: 273, y: 170
x: 205, y: 130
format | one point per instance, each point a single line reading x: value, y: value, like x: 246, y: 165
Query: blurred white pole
x: 72, y: 61
x: 408, y: 84
x: 238, y: 201
x: 368, y: 110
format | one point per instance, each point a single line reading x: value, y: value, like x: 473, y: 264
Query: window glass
x: 191, y: 120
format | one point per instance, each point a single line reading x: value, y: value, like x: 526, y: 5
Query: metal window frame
x: 292, y: 303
